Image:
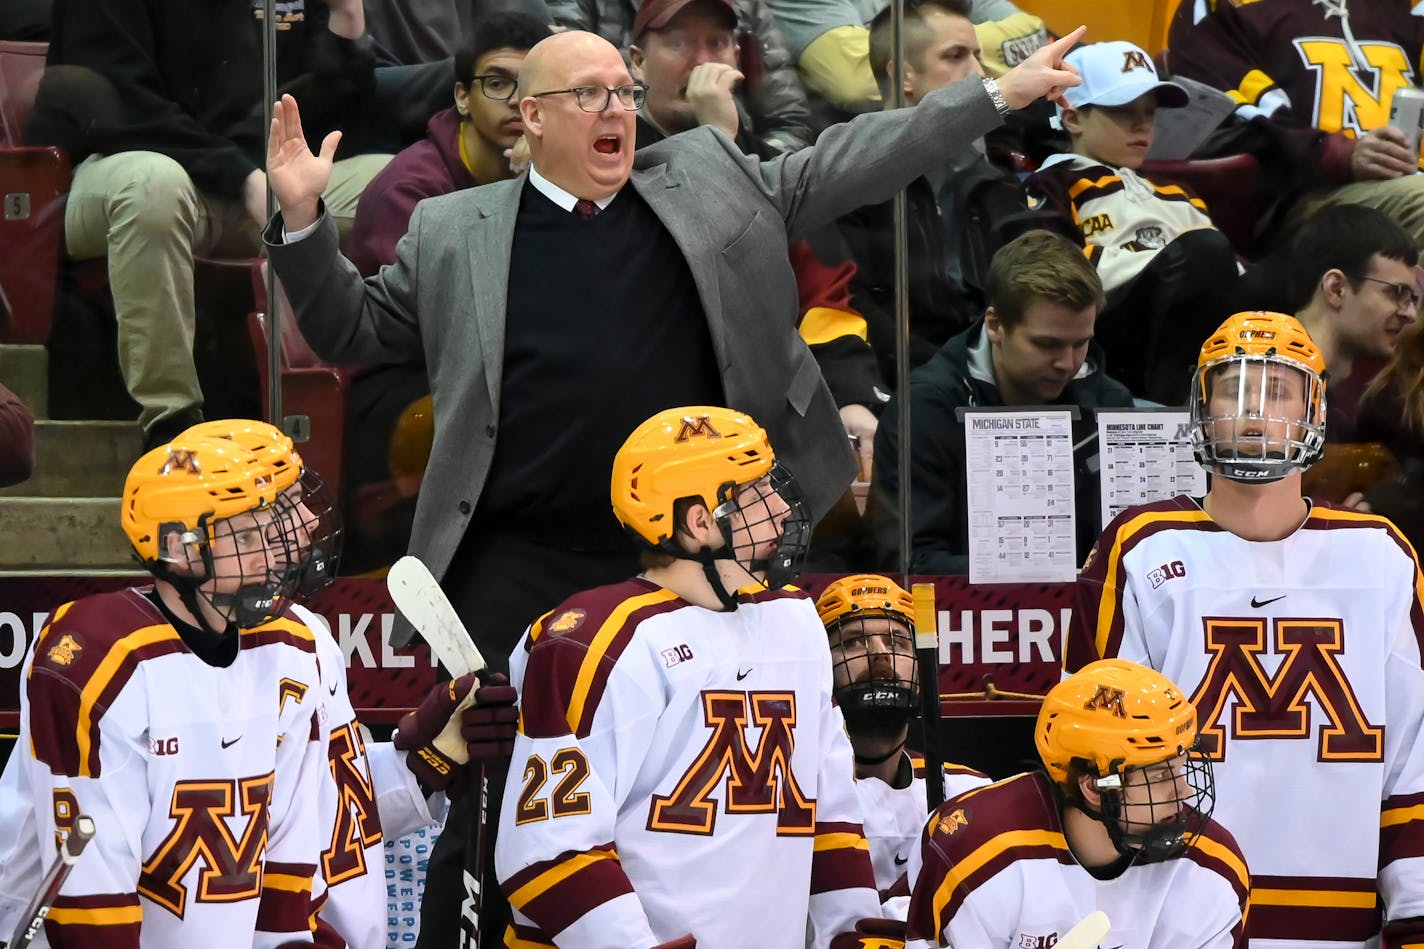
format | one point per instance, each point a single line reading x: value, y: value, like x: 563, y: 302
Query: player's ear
x: 1088, y: 789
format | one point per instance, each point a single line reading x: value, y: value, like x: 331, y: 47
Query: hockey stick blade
x: 1088, y: 934
x: 418, y: 596
x: 69, y: 852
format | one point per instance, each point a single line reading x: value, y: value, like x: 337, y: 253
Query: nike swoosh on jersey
x: 1257, y: 604
x: 742, y: 674
x: 901, y: 861
x: 228, y: 744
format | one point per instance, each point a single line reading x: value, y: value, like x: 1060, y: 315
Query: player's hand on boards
x: 458, y: 722
x: 872, y: 933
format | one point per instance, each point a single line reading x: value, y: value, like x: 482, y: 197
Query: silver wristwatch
x: 996, y: 96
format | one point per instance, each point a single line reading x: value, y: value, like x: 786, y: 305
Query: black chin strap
x: 708, y: 558
x: 869, y: 761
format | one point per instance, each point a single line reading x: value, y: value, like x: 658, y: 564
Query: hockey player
x: 1296, y: 628
x: 1120, y: 822
x: 372, y: 786
x: 184, y: 719
x: 384, y: 789
x: 869, y: 621
x: 686, y: 778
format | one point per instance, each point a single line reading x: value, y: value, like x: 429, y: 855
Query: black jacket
x: 184, y: 78
x: 940, y: 538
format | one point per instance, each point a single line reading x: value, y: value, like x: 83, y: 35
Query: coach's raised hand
x: 1043, y: 75
x: 297, y: 176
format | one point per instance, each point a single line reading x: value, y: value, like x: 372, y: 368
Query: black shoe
x: 169, y: 427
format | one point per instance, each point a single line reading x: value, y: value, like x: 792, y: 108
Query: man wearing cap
x: 769, y: 94
x: 1164, y: 266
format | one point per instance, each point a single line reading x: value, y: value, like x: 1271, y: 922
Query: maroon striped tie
x: 585, y: 208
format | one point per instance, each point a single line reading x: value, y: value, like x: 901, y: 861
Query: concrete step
x: 25, y: 371
x: 80, y: 459
x: 62, y: 535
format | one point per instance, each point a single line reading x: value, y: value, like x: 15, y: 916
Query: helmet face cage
x: 874, y: 664
x: 316, y: 521
x: 1258, y: 399
x: 251, y: 563
x: 747, y: 516
x: 1157, y: 811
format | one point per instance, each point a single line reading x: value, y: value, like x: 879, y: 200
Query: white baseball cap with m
x: 1116, y: 73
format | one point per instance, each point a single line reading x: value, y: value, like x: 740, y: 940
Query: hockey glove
x: 458, y: 722
x: 873, y: 934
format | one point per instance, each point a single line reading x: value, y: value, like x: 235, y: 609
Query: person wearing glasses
x: 557, y: 311
x: 1356, y: 290
x: 465, y: 145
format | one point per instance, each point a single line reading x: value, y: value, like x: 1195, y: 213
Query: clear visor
x: 1257, y: 418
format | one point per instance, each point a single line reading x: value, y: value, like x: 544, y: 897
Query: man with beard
x: 869, y: 620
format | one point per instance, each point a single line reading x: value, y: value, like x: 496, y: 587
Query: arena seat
x: 33, y: 182
x: 312, y: 388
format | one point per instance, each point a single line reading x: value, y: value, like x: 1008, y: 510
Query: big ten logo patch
x: 1168, y: 571
x: 682, y: 652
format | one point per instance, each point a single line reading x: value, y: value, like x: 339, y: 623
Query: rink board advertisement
x: 1006, y: 635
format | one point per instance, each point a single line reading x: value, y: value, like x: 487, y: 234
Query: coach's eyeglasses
x: 596, y: 98
x: 1400, y: 293
x: 496, y: 87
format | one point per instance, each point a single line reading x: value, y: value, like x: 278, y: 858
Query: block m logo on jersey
x: 758, y: 781
x: 1348, y: 99
x: 231, y: 867
x: 1277, y: 707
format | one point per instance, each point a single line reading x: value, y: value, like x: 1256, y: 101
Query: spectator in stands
x: 1392, y: 412
x: 465, y: 145
x: 769, y: 94
x: 1034, y: 346
x: 686, y: 51
x: 1163, y: 265
x: 1314, y: 113
x: 17, y: 439
x: 1355, y: 278
x: 178, y: 171
x: 557, y: 311
x: 941, y: 47
x: 831, y: 44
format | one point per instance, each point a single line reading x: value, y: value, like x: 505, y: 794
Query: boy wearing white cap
x: 1162, y: 262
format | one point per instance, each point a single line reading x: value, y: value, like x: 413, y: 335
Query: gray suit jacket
x: 443, y: 300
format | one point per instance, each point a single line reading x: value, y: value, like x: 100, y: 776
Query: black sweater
x: 184, y: 78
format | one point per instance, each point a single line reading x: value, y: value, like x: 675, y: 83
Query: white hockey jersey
x: 994, y: 871
x: 894, y: 818
x: 1302, y: 657
x: 203, y: 781
x: 371, y: 795
x: 680, y: 770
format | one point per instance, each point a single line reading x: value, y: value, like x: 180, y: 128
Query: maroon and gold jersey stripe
x: 1340, y: 909
x: 840, y: 858
x: 556, y: 893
